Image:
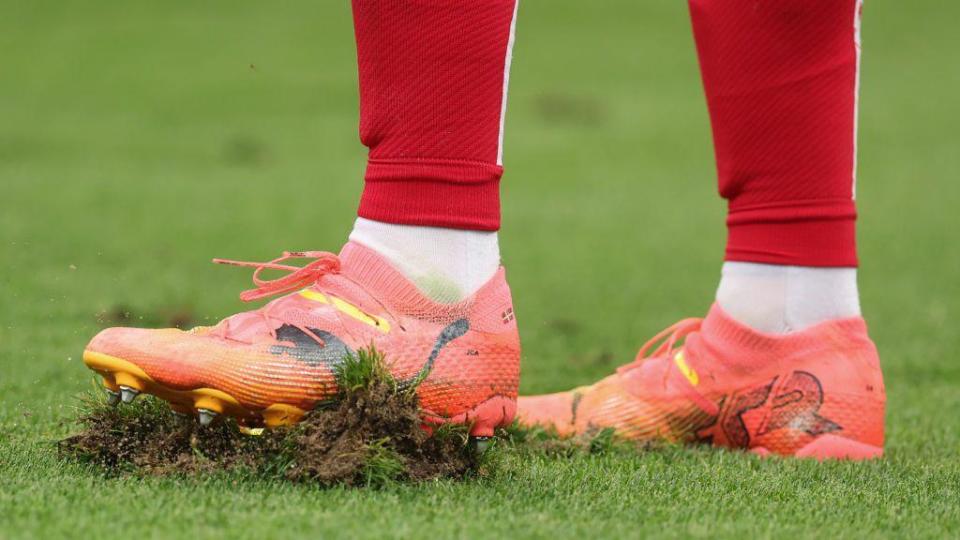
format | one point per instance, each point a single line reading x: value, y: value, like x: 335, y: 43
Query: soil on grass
x: 147, y: 437
x: 372, y: 432
x: 371, y: 435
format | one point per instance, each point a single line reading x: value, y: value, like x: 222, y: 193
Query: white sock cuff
x: 447, y: 265
x: 776, y: 298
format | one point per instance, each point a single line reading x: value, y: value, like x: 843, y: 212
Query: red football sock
x: 781, y: 79
x: 433, y: 80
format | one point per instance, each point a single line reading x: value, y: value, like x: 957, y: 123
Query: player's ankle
x: 781, y: 299
x: 447, y: 265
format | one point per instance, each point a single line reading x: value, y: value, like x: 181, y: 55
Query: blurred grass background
x: 138, y: 140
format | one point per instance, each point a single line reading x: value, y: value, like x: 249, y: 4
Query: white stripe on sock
x: 506, y: 80
x: 857, y: 22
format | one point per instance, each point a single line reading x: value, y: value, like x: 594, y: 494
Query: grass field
x: 138, y: 140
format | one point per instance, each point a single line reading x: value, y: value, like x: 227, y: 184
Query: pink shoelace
x: 298, y: 278
x: 669, y: 341
x: 670, y: 336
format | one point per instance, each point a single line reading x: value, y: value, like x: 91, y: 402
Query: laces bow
x: 298, y: 278
x: 669, y: 340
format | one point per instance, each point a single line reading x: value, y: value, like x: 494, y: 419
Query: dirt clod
x: 147, y: 437
x: 371, y: 435
x: 376, y: 432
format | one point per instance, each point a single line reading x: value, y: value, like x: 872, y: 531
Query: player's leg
x: 782, y: 363
x: 420, y: 278
x: 781, y: 85
x: 433, y: 104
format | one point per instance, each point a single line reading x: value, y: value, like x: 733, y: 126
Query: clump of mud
x: 370, y: 435
x: 147, y: 437
x: 374, y: 434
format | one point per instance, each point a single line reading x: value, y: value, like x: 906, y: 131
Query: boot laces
x: 668, y: 343
x: 669, y: 340
x: 298, y: 277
